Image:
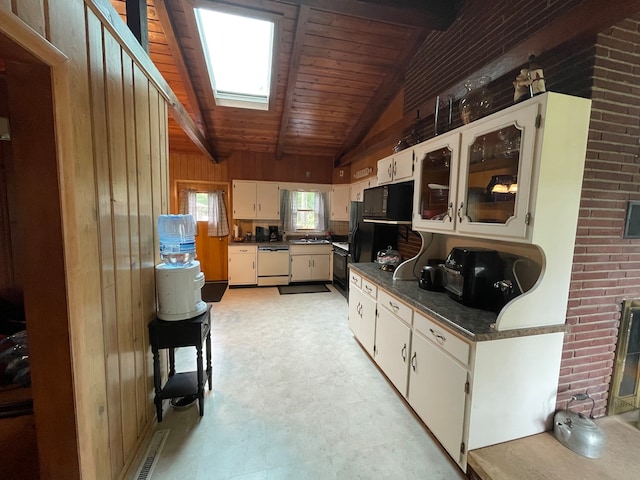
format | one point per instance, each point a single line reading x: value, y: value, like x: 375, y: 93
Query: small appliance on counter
x: 432, y: 277
x: 262, y: 234
x: 472, y: 275
x: 274, y: 233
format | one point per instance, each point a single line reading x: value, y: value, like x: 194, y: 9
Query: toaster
x: 470, y: 276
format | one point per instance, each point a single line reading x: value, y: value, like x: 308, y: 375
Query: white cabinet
x: 393, y: 340
x: 396, y: 168
x: 508, y: 176
x: 362, y: 315
x: 340, y: 203
x: 243, y: 265
x: 437, y: 386
x: 358, y: 188
x: 256, y: 200
x: 310, y: 262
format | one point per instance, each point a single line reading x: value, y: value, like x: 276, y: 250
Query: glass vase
x: 476, y: 103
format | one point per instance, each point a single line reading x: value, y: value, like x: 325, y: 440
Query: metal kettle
x: 577, y: 432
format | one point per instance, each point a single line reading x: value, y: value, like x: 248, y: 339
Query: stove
x: 341, y: 259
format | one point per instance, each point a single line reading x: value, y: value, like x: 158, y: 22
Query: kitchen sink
x: 309, y: 241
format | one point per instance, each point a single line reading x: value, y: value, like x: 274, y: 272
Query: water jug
x: 177, y: 239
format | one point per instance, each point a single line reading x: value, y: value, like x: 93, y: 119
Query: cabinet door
x: 385, y: 170
x: 392, y: 348
x: 340, y: 203
x: 244, y: 199
x: 362, y: 318
x: 403, y: 165
x: 434, y: 196
x: 321, y: 267
x: 496, y: 164
x: 242, y: 268
x: 268, y: 201
x: 437, y: 393
x: 300, y: 268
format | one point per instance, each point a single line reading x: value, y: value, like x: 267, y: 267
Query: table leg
x: 172, y: 362
x: 156, y: 383
x: 200, y: 379
x: 208, y: 341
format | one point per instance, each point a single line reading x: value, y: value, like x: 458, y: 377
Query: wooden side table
x: 173, y: 334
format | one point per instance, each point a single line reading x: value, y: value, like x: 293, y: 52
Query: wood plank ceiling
x: 339, y: 64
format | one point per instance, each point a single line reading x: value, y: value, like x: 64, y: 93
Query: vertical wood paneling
x: 145, y: 222
x: 6, y: 4
x: 32, y: 13
x: 100, y: 114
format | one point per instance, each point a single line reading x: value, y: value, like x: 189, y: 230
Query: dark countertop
x: 472, y: 323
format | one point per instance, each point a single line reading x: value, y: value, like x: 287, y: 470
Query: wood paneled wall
x: 96, y: 173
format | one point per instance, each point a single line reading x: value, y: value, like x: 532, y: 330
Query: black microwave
x: 393, y: 202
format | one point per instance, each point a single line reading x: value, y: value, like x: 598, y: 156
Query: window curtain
x: 218, y: 223
x: 322, y: 214
x: 188, y: 202
x: 288, y: 210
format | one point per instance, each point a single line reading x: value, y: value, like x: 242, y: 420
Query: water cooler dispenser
x: 178, y: 278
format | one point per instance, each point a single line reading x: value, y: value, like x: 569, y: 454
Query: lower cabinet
x: 362, y: 318
x: 393, y: 344
x: 437, y: 392
x: 310, y: 263
x: 242, y: 265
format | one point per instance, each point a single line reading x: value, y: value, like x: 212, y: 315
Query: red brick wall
x: 606, y: 267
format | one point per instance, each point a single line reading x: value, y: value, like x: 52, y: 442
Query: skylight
x: 239, y: 52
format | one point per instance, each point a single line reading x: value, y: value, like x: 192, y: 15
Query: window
x: 238, y: 50
x: 202, y: 207
x: 304, y: 211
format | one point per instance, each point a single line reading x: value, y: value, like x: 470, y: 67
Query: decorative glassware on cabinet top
x: 476, y: 103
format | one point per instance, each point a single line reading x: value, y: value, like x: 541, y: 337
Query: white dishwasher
x: 273, y: 265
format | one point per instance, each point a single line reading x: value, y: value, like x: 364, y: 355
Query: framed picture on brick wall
x: 632, y: 223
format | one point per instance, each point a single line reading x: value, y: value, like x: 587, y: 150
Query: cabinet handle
x: 450, y: 211
x: 254, y: 265
x: 313, y: 262
x: 389, y: 171
x: 460, y: 211
x: 259, y: 207
x: 368, y: 288
x: 254, y: 207
x: 404, y: 353
x: 413, y: 361
x: 439, y: 338
x: 394, y: 306
x: 394, y: 168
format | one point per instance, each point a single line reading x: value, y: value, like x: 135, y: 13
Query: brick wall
x: 606, y: 267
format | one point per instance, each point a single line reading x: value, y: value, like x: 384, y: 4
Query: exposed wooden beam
x: 427, y: 14
x: 178, y: 57
x: 590, y: 18
x: 110, y: 18
x: 294, y: 66
x: 137, y: 21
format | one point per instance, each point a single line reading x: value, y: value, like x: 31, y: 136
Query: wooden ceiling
x: 339, y: 64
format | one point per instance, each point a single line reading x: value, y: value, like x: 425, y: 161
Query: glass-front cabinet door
x: 496, y: 161
x: 436, y: 178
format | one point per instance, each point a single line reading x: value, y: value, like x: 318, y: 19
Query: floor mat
x: 213, y: 291
x: 312, y: 288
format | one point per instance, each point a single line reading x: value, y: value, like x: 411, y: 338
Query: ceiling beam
x: 426, y: 14
x: 178, y: 57
x: 589, y: 18
x: 294, y: 66
x: 137, y: 21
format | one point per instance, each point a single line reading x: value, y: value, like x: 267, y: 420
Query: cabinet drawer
x: 369, y: 288
x: 395, y: 306
x: 446, y: 340
x: 355, y: 280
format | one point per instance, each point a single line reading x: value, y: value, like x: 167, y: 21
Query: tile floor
x: 294, y: 397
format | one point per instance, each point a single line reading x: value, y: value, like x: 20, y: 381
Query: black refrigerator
x: 367, y: 238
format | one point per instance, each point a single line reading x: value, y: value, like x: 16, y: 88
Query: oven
x: 340, y: 268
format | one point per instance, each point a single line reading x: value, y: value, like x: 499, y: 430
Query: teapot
x: 577, y: 432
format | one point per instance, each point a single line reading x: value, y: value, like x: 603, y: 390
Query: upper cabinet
x: 358, y: 188
x: 485, y: 179
x: 340, y: 202
x: 396, y: 168
x: 256, y: 200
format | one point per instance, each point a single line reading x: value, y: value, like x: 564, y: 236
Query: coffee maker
x: 274, y: 233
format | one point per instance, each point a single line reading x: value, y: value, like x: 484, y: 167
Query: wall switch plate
x: 5, y: 131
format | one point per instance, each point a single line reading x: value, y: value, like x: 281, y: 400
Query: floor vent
x: 152, y: 455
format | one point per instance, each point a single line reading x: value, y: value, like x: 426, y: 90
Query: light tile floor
x: 294, y: 397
